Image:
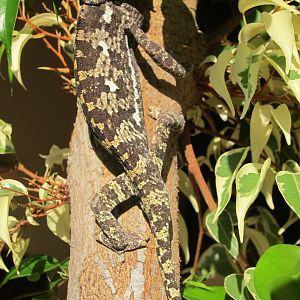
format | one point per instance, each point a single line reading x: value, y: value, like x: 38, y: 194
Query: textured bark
x: 95, y: 272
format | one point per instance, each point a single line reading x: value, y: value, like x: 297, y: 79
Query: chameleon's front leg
x: 159, y: 55
x: 112, y: 235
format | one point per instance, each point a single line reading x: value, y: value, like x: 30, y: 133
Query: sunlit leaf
x: 8, y: 13
x: 6, y: 145
x: 277, y: 23
x: 20, y: 247
x: 246, y: 68
x: 283, y: 119
x: 18, y: 43
x: 289, y: 186
x: 30, y: 218
x: 277, y: 60
x: 291, y: 165
x: 249, y: 31
x: 244, y: 5
x: 58, y: 221
x: 2, y: 265
x: 222, y: 231
x: 260, y: 129
x: 249, y: 181
x: 8, y: 189
x: 217, y: 78
x: 55, y: 156
x: 226, y: 168
x: 186, y: 187
x: 267, y: 187
x: 41, y: 20
x: 184, y: 239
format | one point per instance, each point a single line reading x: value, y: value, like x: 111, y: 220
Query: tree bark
x: 95, y: 272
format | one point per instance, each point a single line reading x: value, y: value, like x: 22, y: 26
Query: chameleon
x: 109, y: 94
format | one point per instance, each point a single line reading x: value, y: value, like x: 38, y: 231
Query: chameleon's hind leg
x: 112, y: 234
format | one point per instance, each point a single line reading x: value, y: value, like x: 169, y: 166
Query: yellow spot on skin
x: 90, y: 106
x: 100, y: 126
x: 124, y: 157
x: 82, y: 75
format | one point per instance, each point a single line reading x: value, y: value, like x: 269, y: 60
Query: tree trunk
x: 95, y: 272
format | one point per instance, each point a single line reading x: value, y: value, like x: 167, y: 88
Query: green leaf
x: 20, y: 246
x: 6, y: 145
x: 244, y: 5
x: 283, y: 119
x: 249, y: 31
x: 8, y: 13
x: 289, y: 186
x: 277, y: 60
x: 184, y: 239
x: 267, y: 187
x: 246, y: 68
x: 222, y: 231
x: 56, y: 5
x: 36, y: 264
x: 186, y: 187
x: 236, y: 288
x: 8, y: 189
x: 277, y: 265
x: 211, y: 293
x: 260, y: 129
x: 249, y: 282
x: 249, y: 181
x: 276, y: 24
x: 216, y: 262
x: 291, y: 165
x: 226, y: 169
x: 55, y: 156
x: 217, y: 77
x: 58, y: 221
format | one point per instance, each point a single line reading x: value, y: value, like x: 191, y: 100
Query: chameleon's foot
x: 132, y: 241
x: 173, y: 121
x: 134, y: 14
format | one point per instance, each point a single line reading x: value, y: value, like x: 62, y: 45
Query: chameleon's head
x: 93, y: 2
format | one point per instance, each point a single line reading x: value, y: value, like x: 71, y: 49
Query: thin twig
x: 59, y: 55
x: 195, y: 170
x: 39, y: 29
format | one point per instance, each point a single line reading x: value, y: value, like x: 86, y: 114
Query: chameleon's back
x: 107, y: 83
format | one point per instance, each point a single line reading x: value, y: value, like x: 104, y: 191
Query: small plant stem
x: 194, y: 169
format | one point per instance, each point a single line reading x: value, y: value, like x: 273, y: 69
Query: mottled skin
x: 108, y: 91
